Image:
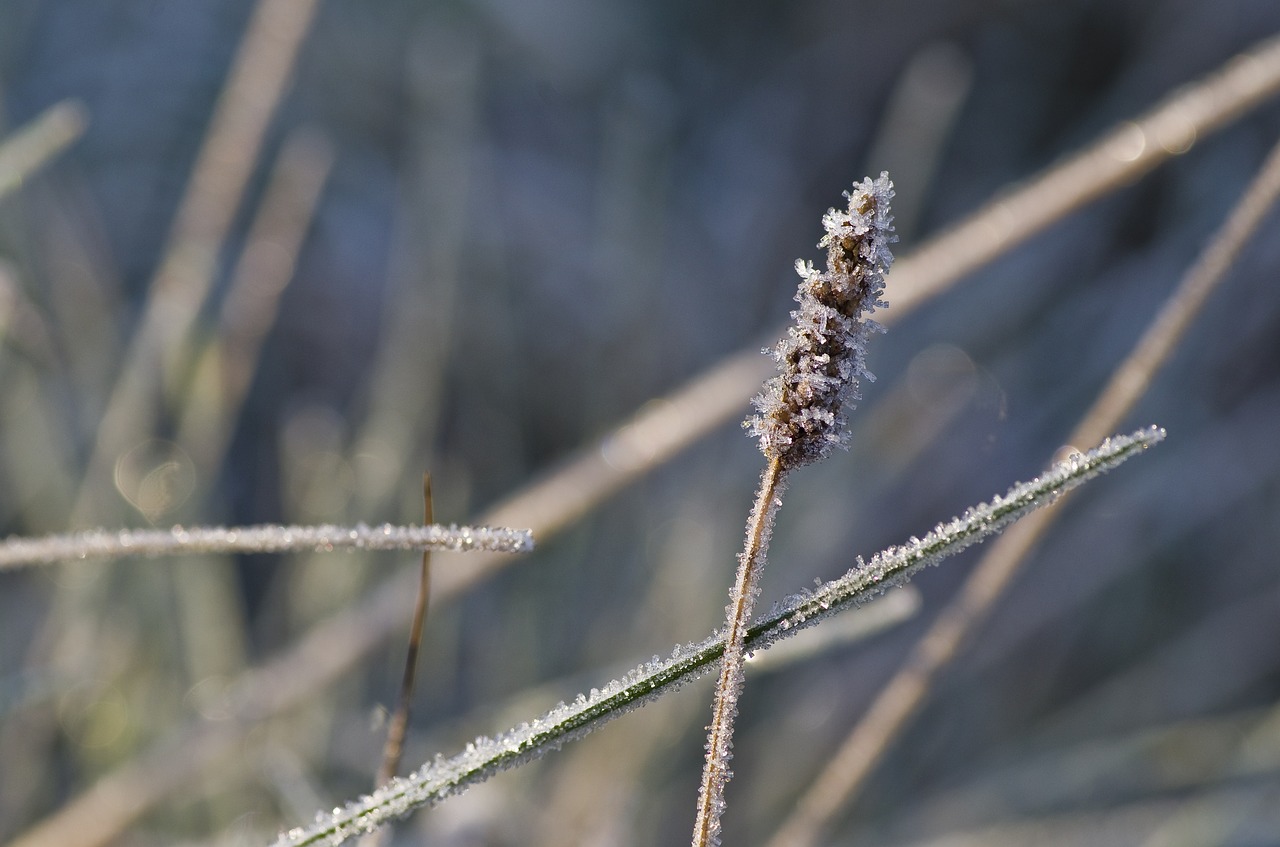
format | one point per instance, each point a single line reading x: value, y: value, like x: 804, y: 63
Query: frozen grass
x: 242, y: 738
x: 196, y: 540
x: 889, y: 714
x: 486, y: 757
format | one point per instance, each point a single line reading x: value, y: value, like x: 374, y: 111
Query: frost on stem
x: 485, y: 757
x: 801, y: 411
x: 801, y: 415
x: 265, y: 538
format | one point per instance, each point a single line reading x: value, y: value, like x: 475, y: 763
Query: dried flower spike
x: 801, y: 417
x: 801, y: 411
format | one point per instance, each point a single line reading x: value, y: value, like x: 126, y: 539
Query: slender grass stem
x: 265, y: 538
x: 485, y: 757
x: 715, y: 772
x: 256, y: 82
x: 846, y: 772
x: 800, y: 417
x: 398, y: 727
x: 400, y: 721
x: 226, y: 365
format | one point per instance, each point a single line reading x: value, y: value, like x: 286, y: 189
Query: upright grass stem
x: 742, y: 599
x: 394, y: 747
x: 801, y: 416
x: 485, y: 757
x: 844, y: 775
x: 256, y: 83
x: 398, y: 728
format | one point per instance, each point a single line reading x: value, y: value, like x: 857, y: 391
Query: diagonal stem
x: 847, y: 771
x: 485, y: 757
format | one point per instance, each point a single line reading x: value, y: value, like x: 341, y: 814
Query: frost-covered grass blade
x: 264, y: 538
x: 485, y: 757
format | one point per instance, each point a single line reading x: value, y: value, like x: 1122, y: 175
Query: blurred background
x: 302, y: 252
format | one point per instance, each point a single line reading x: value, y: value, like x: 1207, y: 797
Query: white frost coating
x: 896, y: 565
x: 800, y: 412
x: 800, y: 418
x: 486, y: 757
x: 269, y: 538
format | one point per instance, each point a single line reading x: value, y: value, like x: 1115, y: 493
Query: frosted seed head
x: 800, y: 412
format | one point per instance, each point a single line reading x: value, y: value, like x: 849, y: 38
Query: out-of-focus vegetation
x: 474, y: 237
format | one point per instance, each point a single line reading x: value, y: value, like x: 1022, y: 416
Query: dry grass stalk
x: 801, y: 416
x: 393, y: 750
x: 485, y: 757
x: 893, y: 707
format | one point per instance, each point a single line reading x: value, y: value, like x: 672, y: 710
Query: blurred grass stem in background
x: 258, y: 79
x: 226, y: 365
x: 28, y: 149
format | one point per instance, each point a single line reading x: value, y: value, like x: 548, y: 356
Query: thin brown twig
x: 400, y: 720
x: 846, y: 772
x: 661, y: 430
x: 399, y: 725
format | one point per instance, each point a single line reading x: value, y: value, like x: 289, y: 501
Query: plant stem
x: 396, y: 731
x: 844, y: 775
x: 485, y: 757
x: 716, y: 773
x: 400, y: 721
x: 262, y: 538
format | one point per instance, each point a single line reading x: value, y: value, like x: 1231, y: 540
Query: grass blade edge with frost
x: 486, y: 757
x: 262, y: 538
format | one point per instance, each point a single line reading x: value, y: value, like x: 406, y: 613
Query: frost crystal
x: 485, y: 757
x: 801, y: 411
x: 267, y: 538
x: 894, y: 566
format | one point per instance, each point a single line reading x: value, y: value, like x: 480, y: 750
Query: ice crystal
x: 268, y: 538
x: 485, y: 757
x: 801, y: 411
x: 896, y: 565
